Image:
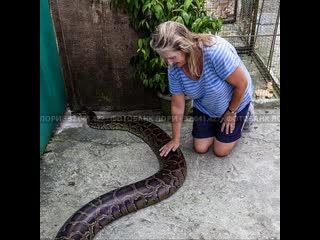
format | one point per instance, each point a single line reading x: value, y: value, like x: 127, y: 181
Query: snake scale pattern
x: 85, y: 223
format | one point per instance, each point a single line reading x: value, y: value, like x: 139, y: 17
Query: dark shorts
x: 205, y: 126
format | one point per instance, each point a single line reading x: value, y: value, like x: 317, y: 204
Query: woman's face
x: 175, y: 57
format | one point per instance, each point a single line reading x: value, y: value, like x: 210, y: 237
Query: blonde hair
x: 174, y: 36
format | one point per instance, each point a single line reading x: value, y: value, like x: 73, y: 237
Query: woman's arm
x: 240, y: 83
x: 177, y: 113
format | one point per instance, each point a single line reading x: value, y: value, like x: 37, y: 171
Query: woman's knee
x: 221, y: 152
x: 202, y: 145
x: 200, y: 148
x: 223, y: 149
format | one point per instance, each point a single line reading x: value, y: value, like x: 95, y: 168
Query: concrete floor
x: 236, y: 197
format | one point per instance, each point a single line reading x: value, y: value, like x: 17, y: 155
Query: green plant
x: 145, y: 16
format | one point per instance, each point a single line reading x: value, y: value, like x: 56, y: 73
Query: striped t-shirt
x: 211, y: 93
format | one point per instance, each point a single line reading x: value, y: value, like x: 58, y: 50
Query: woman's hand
x: 172, y: 145
x: 228, y: 122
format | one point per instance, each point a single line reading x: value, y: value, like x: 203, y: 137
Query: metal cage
x: 253, y: 27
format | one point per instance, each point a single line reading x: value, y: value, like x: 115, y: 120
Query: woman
x: 207, y: 68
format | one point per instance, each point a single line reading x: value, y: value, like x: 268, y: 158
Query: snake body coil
x: 85, y: 223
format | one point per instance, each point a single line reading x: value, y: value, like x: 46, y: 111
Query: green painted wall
x: 52, y: 91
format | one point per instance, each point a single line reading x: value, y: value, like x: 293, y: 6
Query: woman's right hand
x: 172, y: 145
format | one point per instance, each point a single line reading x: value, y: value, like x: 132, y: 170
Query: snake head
x: 92, y: 116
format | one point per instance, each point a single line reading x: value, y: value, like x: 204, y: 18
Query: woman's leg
x: 224, y: 143
x: 221, y: 149
x: 202, y: 131
x: 202, y: 145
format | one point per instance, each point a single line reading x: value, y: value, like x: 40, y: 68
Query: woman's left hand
x: 228, y: 122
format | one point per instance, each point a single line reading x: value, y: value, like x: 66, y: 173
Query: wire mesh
x: 223, y: 8
x: 253, y: 27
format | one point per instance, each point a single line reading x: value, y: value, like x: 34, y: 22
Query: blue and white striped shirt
x: 211, y: 94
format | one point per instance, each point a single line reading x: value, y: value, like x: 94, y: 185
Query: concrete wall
x: 95, y: 46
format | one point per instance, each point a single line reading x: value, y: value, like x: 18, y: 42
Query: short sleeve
x: 225, y: 60
x: 175, y: 84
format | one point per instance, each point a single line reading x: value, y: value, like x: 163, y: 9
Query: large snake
x: 85, y: 223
